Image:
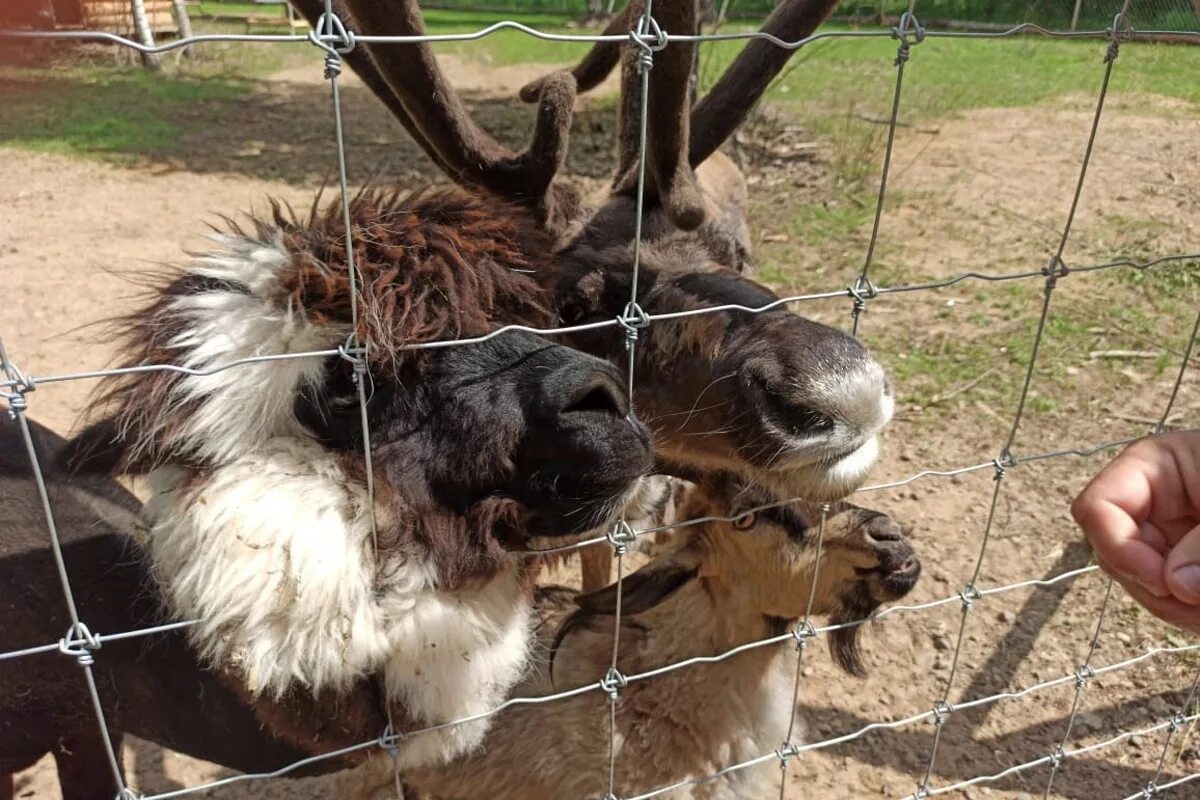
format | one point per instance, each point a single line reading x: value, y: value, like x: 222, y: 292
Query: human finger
x: 1182, y: 569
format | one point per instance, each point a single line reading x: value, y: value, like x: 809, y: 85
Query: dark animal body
x: 152, y: 687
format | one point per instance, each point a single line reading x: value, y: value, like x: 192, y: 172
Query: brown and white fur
x: 785, y: 402
x: 718, y: 586
x: 260, y: 526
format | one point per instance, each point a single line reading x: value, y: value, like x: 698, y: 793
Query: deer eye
x: 746, y: 521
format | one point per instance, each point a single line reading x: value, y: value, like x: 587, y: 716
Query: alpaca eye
x: 746, y: 522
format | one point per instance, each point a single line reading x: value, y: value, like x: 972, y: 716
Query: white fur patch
x: 232, y: 411
x: 452, y: 656
x: 274, y: 553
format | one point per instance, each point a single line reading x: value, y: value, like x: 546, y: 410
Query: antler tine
x: 668, y: 119
x: 728, y: 103
x: 407, y: 78
x: 600, y: 61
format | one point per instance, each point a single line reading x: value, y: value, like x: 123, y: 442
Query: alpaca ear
x: 99, y: 449
x: 641, y: 591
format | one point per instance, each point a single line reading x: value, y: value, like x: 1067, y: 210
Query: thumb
x: 1182, y: 569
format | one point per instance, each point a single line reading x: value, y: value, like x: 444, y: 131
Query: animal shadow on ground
x: 964, y: 751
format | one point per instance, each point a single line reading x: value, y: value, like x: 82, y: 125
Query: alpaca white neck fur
x: 273, y: 553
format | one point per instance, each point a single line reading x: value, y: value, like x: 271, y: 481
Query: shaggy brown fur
x: 443, y: 263
x: 440, y: 264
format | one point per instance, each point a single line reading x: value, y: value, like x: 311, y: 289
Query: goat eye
x: 746, y: 521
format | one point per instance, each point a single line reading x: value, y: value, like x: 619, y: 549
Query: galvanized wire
x: 83, y: 643
x: 331, y: 40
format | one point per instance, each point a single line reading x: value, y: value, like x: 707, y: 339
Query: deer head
x: 787, y: 402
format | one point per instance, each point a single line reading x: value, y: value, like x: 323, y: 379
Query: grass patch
x: 100, y: 111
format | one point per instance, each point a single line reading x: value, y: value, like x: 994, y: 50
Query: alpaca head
x: 500, y: 440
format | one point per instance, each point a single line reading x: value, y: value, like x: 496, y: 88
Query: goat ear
x: 99, y: 449
x: 641, y: 591
x: 845, y: 643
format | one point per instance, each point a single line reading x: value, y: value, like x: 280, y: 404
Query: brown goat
x: 718, y: 586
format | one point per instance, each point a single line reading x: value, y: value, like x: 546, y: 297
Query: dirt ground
x: 985, y: 190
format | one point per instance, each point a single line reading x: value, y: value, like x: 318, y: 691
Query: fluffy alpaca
x: 260, y: 524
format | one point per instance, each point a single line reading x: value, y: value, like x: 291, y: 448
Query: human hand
x: 1141, y: 514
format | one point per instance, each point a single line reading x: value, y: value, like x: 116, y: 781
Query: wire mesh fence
x: 1111, y: 29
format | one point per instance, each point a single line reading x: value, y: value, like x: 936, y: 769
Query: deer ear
x: 641, y: 591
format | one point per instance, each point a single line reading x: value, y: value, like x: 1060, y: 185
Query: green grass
x: 102, y: 111
x: 836, y: 86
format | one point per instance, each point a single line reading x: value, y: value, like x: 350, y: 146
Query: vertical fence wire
x: 1084, y: 673
x: 1177, y: 721
x: 1054, y: 270
x: 79, y: 641
x: 632, y: 318
x: 804, y: 633
x: 356, y: 350
x: 863, y: 288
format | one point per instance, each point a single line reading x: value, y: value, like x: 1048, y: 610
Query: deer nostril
x: 883, y: 529
x: 598, y: 396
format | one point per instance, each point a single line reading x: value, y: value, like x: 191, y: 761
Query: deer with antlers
x: 784, y: 401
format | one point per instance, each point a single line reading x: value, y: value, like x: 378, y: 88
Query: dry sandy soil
x: 988, y: 190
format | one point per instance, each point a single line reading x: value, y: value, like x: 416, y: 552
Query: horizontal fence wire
x: 17, y: 385
x: 103, y: 37
x: 636, y: 532
x: 32, y: 381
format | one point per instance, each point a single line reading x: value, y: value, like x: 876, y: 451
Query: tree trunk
x: 145, y: 36
x: 185, y: 24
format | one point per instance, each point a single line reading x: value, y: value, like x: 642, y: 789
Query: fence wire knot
x: 620, y: 536
x: 909, y: 25
x: 1177, y: 721
x: 1120, y: 31
x: 1082, y: 675
x: 862, y: 291
x: 647, y: 29
x: 1002, y: 463
x: 80, y: 643
x: 941, y: 710
x: 18, y: 386
x: 1057, y: 757
x: 388, y: 741
x: 802, y: 633
x: 613, y: 682
x: 969, y: 595
x: 1054, y: 270
x: 331, y: 25
x: 129, y: 794
x: 1150, y: 791
x: 355, y: 354
x: 632, y: 320
x: 785, y: 753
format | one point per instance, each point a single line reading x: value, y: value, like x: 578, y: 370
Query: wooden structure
x: 112, y: 16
